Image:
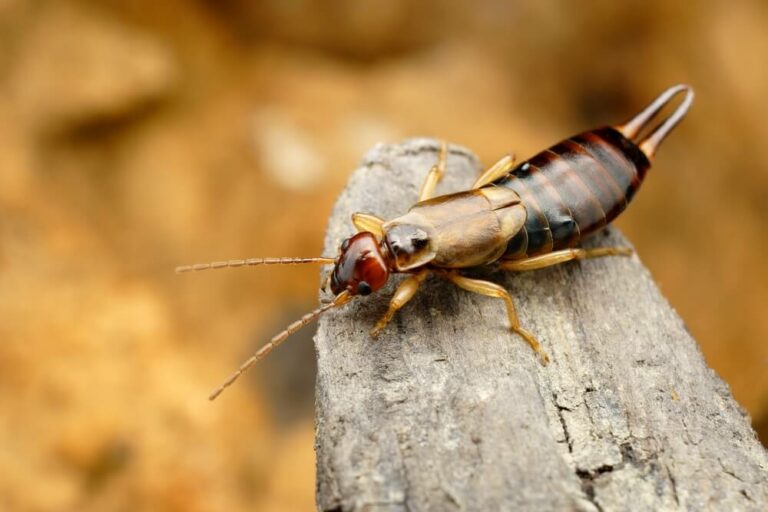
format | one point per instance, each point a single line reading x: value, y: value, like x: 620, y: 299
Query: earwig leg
x: 434, y: 175
x: 496, y: 171
x: 403, y: 294
x: 369, y: 223
x: 490, y: 289
x: 554, y: 258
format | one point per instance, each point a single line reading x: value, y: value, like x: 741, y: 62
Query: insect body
x: 515, y: 217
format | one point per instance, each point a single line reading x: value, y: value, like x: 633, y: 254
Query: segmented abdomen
x: 573, y: 189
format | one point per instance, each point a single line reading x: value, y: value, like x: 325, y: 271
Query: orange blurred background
x: 137, y: 135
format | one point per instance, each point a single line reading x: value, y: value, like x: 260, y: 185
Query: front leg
x: 369, y: 223
x: 403, y: 294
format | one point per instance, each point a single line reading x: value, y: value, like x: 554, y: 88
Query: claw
x: 380, y: 325
x: 534, y: 343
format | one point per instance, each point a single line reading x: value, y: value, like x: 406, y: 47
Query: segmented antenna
x: 251, y: 262
x: 340, y: 299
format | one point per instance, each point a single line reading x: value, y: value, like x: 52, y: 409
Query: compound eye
x: 345, y: 245
x: 364, y: 288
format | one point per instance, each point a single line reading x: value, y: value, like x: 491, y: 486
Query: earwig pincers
x: 515, y: 217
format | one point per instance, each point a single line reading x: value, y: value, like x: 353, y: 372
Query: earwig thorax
x: 409, y: 242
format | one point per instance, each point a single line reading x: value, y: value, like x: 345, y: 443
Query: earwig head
x: 361, y: 268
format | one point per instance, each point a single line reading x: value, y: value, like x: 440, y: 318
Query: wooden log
x: 447, y: 410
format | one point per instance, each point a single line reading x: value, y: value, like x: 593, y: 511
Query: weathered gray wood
x: 449, y: 411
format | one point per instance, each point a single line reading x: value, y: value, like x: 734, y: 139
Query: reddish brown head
x: 361, y: 268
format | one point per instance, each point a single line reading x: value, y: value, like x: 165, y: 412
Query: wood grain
x: 447, y: 410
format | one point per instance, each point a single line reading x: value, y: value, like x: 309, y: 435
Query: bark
x: 447, y: 410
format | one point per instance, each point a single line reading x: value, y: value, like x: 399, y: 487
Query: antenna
x: 251, y: 262
x: 340, y: 299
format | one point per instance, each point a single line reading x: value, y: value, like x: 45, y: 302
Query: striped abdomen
x: 573, y: 189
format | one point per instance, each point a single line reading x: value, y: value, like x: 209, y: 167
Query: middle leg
x: 490, y: 289
x: 496, y: 171
x: 434, y: 174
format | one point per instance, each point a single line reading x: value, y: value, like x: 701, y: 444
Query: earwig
x: 514, y: 217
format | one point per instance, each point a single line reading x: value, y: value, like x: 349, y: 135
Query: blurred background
x: 137, y: 135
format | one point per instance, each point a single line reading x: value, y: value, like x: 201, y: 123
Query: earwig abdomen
x: 573, y: 189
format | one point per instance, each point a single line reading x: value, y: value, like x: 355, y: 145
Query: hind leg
x: 554, y: 258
